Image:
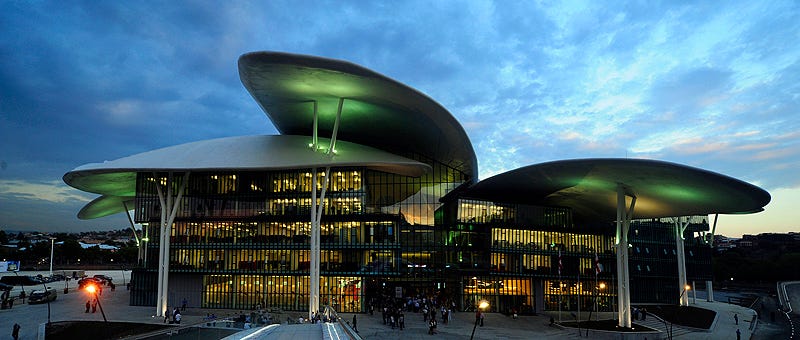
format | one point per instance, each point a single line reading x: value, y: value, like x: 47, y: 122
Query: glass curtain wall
x: 240, y: 231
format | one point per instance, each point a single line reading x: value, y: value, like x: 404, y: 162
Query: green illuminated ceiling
x: 588, y: 186
x: 377, y: 111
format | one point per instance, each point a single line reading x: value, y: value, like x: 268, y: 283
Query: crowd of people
x: 433, y: 309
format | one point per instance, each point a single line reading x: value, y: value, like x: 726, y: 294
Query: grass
x: 606, y: 325
x: 98, y: 330
x: 688, y: 316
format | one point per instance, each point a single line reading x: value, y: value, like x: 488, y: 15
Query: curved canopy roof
x: 377, y: 111
x: 105, y: 206
x: 588, y: 186
x: 245, y: 153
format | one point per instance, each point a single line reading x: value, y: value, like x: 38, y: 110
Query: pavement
x: 496, y: 326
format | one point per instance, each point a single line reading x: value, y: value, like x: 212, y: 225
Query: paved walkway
x: 496, y: 326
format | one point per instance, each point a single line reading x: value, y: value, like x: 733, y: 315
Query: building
x: 371, y: 190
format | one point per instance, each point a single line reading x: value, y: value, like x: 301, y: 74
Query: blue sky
x: 714, y: 85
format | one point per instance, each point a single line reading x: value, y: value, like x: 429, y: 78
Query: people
x: 94, y: 306
x: 177, y: 317
x: 355, y: 323
x: 432, y: 326
x: 15, y: 331
x: 88, y: 305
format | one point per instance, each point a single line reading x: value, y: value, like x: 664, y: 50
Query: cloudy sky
x: 714, y: 85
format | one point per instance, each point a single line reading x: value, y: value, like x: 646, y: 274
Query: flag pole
x: 560, y: 286
x: 596, y: 286
x: 579, y: 293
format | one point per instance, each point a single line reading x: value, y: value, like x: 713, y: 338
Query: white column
x: 313, y: 281
x: 680, y: 227
x: 623, y: 280
x: 710, y: 291
x: 169, y: 209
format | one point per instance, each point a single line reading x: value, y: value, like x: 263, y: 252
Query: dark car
x: 42, y: 296
x: 89, y: 280
x: 104, y: 279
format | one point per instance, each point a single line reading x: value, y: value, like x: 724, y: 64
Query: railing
x: 333, y: 315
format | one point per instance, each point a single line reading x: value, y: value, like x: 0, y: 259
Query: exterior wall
x: 241, y: 240
x: 654, y: 266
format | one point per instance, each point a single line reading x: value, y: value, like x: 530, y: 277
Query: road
x: 68, y: 306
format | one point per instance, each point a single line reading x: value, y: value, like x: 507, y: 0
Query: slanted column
x: 316, y: 212
x: 680, y: 228
x: 169, y: 208
x: 623, y: 280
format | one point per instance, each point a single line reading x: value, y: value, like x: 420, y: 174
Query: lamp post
x: 92, y: 289
x: 482, y: 305
x: 686, y: 288
x: 52, y: 245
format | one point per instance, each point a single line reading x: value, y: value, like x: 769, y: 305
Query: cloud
x: 53, y: 191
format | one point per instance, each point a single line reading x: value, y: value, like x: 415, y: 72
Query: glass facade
x: 242, y: 240
x: 244, y: 237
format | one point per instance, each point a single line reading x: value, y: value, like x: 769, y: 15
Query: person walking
x: 166, y: 315
x: 355, y: 323
x: 94, y: 306
x: 738, y: 334
x: 15, y: 331
x: 402, y: 321
x: 736, y: 318
x: 88, y: 305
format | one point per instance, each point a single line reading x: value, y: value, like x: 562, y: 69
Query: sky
x: 714, y: 85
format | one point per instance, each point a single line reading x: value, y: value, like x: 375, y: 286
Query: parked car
x: 89, y: 280
x: 104, y: 279
x: 42, y: 296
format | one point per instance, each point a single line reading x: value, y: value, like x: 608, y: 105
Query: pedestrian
x: 355, y: 323
x: 183, y: 305
x: 88, y: 305
x: 738, y: 334
x: 178, y: 317
x: 644, y: 314
x: 402, y: 321
x: 166, y: 315
x: 94, y: 306
x: 736, y: 318
x: 482, y: 319
x: 15, y: 331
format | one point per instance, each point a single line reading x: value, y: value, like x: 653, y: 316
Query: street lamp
x: 92, y: 289
x: 686, y: 288
x: 482, y: 305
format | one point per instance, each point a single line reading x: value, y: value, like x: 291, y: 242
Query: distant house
x: 101, y: 246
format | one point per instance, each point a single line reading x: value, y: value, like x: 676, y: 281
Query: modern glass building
x: 371, y: 190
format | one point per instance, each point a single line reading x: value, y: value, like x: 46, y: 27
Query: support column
x: 623, y: 280
x: 135, y: 236
x: 313, y: 270
x: 169, y: 208
x: 710, y: 291
x: 680, y: 227
x: 316, y: 213
x: 316, y: 219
